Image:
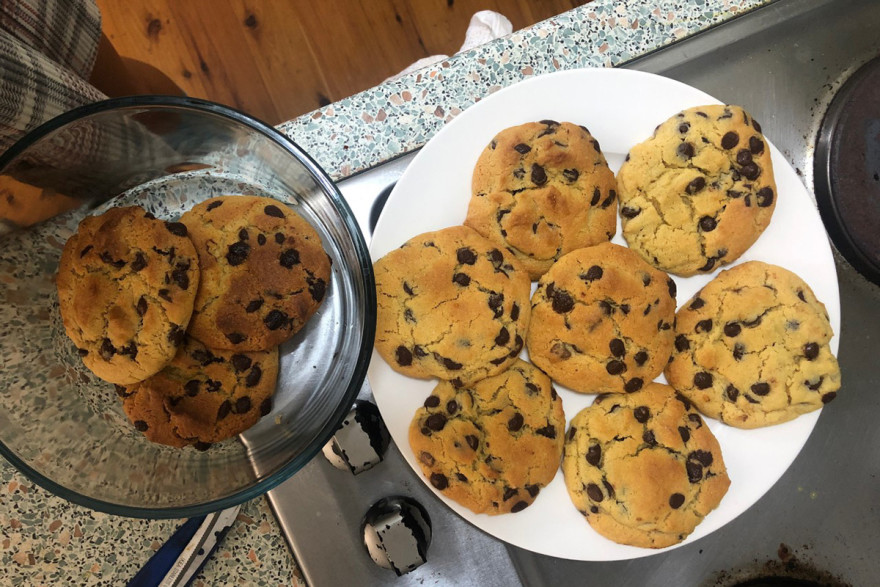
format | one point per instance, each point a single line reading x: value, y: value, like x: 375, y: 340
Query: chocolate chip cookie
x: 752, y: 348
x: 602, y: 320
x: 493, y: 445
x: 265, y: 272
x: 452, y: 305
x: 203, y: 396
x: 699, y: 192
x: 126, y: 286
x: 543, y: 189
x: 643, y: 468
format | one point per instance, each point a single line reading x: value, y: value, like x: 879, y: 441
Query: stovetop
x: 821, y: 521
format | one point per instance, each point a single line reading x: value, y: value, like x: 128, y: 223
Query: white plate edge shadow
x: 621, y: 108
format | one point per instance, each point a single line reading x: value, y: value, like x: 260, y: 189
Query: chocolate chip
x: 496, y: 302
x: 235, y: 337
x: 450, y: 364
x: 761, y: 388
x: 403, y: 356
x: 750, y: 171
x: 686, y: 150
x: 732, y: 329
x: 518, y: 507
x: 684, y: 127
x: 176, y: 335
x: 427, y: 458
x: 828, y: 397
x: 703, y: 325
x: 509, y: 493
x: 707, y: 224
x: 744, y: 157
x: 451, y: 407
x: 466, y: 256
x: 703, y: 380
x: 594, y: 454
x: 472, y: 441
x: 732, y: 392
x: 684, y: 401
x: 82, y: 352
x: 738, y: 351
x: 420, y: 352
x: 615, y: 367
x: 141, y: 306
x: 729, y: 140
x: 811, y: 350
x: 243, y: 234
x: 272, y: 210
x: 609, y: 200
x: 560, y: 350
x: 253, y: 306
x: 617, y: 348
x: 533, y: 490
x: 130, y: 350
x: 289, y: 258
x: 280, y: 238
x: 640, y: 358
x: 515, y: 422
x: 649, y: 438
x: 265, y: 406
x: 461, y: 279
x: 642, y: 414
x: 597, y: 195
x: 180, y: 276
x: 214, y: 204
x: 756, y: 145
x: 141, y: 426
x: 514, y: 312
x: 684, y: 433
x: 673, y: 290
x: 633, y: 385
x: 317, y: 289
x: 593, y: 273
x: 503, y: 337
x: 676, y: 500
x: 628, y: 212
x: 439, y: 481
x: 224, y: 410
x: 539, y: 176
x: 213, y: 386
x: 571, y: 174
x: 242, y: 405
x: 261, y: 239
x: 108, y: 259
x: 85, y: 251
x: 165, y: 294
x: 696, y: 185
x: 549, y: 431
x: 253, y: 378
x: 694, y: 471
x: 764, y: 197
x: 436, y: 422
x: 562, y: 301
x: 139, y: 262
x: 276, y: 319
x: 594, y: 492
x: 176, y: 228
x: 682, y: 343
x: 237, y: 253
x: 522, y: 148
x: 191, y: 387
x: 607, y: 308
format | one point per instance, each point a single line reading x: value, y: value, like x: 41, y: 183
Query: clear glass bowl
x: 63, y: 427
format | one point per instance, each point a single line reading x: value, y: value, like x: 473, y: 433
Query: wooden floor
x: 277, y: 59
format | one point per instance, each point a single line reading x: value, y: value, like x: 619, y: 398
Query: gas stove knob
x: 361, y: 441
x: 397, y: 533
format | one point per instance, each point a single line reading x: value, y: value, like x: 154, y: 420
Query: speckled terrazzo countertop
x: 45, y: 540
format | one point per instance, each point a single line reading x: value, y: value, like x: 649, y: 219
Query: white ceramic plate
x: 621, y: 108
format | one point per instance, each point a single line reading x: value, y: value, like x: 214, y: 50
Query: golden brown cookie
x: 602, y: 320
x: 543, y: 189
x: 126, y: 286
x: 643, y: 468
x: 450, y: 304
x: 204, y: 395
x: 264, y: 272
x: 493, y: 445
x: 752, y: 348
x: 699, y: 192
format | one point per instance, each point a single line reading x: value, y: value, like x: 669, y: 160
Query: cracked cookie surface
x: 699, y: 192
x: 126, y: 287
x: 543, y: 189
x: 494, y: 445
x: 752, y: 348
x: 450, y: 304
x: 203, y: 396
x: 643, y: 468
x: 602, y: 320
x: 264, y: 272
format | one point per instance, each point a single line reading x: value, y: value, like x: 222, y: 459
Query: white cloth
x: 484, y: 26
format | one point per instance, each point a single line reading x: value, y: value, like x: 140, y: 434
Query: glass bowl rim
x: 364, y: 352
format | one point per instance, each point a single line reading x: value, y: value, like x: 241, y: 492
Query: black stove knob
x: 397, y: 533
x: 361, y: 440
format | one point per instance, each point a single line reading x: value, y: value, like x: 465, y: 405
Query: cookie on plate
x: 602, y: 320
x: 699, y: 192
x: 543, y: 189
x: 204, y: 395
x: 264, y: 272
x: 752, y: 348
x: 450, y: 304
x: 643, y: 468
x: 126, y: 285
x: 493, y: 445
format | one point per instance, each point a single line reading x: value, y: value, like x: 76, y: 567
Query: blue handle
x: 161, y: 562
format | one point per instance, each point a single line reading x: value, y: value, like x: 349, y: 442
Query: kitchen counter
x: 47, y: 540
